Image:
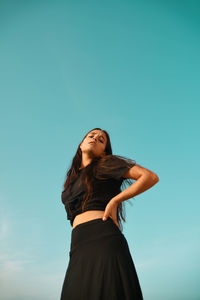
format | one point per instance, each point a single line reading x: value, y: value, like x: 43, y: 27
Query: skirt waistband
x: 93, y: 230
x: 87, y: 223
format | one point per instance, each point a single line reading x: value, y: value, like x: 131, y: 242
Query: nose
x: 94, y: 138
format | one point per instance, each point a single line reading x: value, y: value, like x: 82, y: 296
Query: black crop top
x: 105, y: 186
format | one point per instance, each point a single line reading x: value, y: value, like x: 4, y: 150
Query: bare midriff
x: 87, y: 216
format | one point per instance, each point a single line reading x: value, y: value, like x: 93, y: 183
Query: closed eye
x: 99, y: 140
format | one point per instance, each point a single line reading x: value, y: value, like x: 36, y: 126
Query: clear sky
x: 131, y: 68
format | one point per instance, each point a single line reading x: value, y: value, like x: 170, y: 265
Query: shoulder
x: 113, y: 166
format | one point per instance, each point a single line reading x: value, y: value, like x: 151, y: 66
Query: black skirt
x: 100, y: 264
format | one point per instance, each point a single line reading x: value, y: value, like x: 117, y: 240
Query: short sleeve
x: 113, y: 166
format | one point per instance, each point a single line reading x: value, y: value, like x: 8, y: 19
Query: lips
x: 92, y: 143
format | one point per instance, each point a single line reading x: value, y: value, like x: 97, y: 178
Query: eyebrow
x: 100, y: 135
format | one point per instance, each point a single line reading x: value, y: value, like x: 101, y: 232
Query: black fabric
x: 113, y: 166
x: 100, y: 264
x: 107, y: 180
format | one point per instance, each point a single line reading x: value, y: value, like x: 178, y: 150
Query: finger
x: 117, y: 224
x: 105, y: 217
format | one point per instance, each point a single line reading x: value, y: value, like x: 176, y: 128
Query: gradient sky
x: 131, y: 68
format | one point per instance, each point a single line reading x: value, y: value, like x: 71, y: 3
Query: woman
x: 100, y: 264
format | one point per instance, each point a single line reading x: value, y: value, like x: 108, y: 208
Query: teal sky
x: 131, y: 68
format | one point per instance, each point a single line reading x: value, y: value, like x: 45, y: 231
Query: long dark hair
x: 88, y: 178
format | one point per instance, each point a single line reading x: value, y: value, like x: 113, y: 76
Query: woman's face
x: 94, y: 143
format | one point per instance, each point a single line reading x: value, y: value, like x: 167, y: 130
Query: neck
x: 87, y: 158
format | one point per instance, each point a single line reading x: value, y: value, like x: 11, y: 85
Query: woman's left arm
x: 145, y: 179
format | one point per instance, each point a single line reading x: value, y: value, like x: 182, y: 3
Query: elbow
x: 151, y: 177
x: 155, y: 177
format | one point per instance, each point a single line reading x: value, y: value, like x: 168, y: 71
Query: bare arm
x: 145, y: 179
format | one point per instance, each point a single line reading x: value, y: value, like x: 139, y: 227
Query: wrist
x: 115, y: 200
